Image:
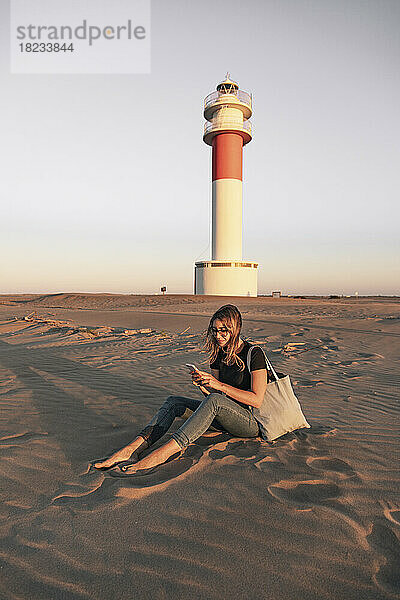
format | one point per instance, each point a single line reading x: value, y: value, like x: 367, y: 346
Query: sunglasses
x: 222, y: 330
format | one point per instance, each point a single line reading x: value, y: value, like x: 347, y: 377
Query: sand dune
x: 316, y: 515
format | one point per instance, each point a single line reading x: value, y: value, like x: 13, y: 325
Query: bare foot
x: 129, y: 452
x: 157, y: 457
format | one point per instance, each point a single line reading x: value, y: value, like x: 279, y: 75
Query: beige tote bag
x: 280, y: 411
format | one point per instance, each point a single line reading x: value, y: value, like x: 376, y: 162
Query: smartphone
x: 191, y: 367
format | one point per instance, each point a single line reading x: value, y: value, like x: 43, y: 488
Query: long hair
x: 230, y: 316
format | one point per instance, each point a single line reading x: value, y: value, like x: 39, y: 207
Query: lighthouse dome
x: 228, y: 86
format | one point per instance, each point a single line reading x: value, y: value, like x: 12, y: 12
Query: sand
x: 315, y: 515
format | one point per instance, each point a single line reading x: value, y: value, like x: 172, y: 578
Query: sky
x: 106, y: 183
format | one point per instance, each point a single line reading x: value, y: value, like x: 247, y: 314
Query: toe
x: 127, y: 468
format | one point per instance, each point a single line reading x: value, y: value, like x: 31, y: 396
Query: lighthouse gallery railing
x: 243, y: 97
x: 227, y: 124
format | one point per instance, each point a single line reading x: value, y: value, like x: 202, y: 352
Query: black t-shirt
x: 232, y: 375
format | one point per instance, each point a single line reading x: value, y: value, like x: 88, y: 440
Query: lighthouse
x: 227, y: 129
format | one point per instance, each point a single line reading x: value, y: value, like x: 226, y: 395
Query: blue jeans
x: 216, y: 410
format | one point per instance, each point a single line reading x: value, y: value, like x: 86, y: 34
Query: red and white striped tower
x: 227, y: 130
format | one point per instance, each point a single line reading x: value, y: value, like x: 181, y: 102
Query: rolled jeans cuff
x: 181, y: 439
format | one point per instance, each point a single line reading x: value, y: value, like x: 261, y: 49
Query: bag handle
x: 269, y: 364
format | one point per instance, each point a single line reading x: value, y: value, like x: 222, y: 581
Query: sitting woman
x: 231, y: 390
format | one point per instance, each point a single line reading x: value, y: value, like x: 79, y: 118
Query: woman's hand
x: 205, y: 379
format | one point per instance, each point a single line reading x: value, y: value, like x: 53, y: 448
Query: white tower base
x: 215, y: 278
